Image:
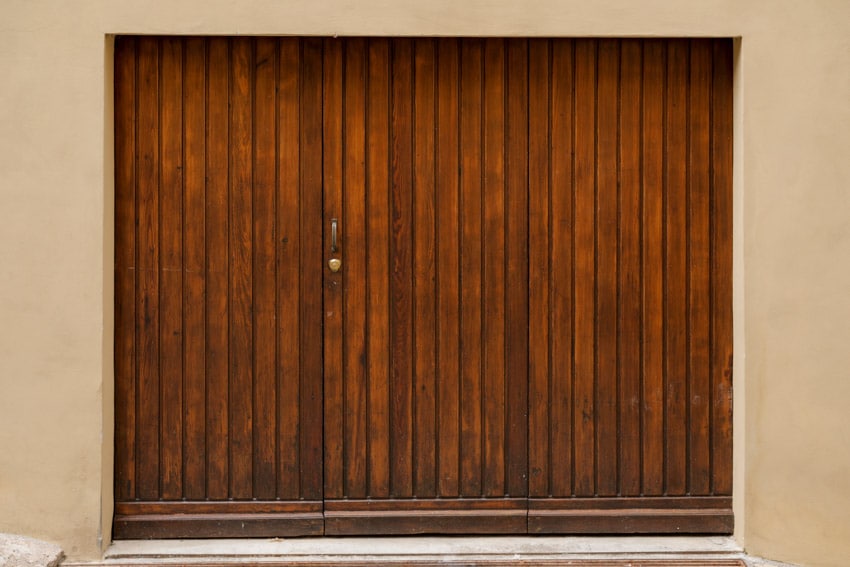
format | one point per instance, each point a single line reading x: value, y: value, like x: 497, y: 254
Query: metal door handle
x: 333, y: 235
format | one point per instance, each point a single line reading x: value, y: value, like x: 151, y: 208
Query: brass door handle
x: 334, y: 263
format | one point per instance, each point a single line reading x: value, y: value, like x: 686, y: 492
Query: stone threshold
x: 355, y: 551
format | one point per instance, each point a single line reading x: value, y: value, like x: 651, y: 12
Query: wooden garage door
x: 531, y: 326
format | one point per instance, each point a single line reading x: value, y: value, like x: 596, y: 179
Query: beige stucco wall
x: 792, y: 269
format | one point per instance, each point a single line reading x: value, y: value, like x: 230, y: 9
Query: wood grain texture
x: 721, y: 269
x: 204, y: 519
x: 194, y: 281
x: 470, y: 146
x: 148, y: 249
x: 208, y: 306
x: 310, y: 425
x: 171, y: 263
x: 425, y: 516
x: 216, y: 347
x: 629, y: 299
x: 126, y: 361
x: 354, y: 278
x: 401, y: 269
x: 535, y: 298
x: 377, y: 267
x: 334, y: 339
x: 436, y: 421
x: 448, y: 268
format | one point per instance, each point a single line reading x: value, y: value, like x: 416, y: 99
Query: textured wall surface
x: 792, y: 238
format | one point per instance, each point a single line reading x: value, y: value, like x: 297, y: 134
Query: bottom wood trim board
x: 426, y: 516
x: 681, y: 515
x: 171, y: 520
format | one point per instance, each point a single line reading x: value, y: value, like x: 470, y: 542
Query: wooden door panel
x: 531, y: 329
x: 419, y: 403
x: 630, y: 304
x: 218, y: 294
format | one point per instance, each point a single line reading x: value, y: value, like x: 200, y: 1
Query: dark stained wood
x: 448, y: 269
x: 516, y: 269
x: 643, y: 286
x: 699, y: 292
x: 629, y: 314
x: 290, y: 294
x: 411, y: 251
x: 683, y: 515
x: 608, y: 267
x: 401, y: 269
x: 470, y: 145
x: 147, y: 242
x: 539, y: 373
x: 240, y: 274
x: 441, y: 516
x: 217, y: 135
x: 225, y: 507
x: 125, y: 268
x: 652, y: 260
x: 204, y: 519
x: 264, y: 270
x: 354, y: 274
x: 332, y: 169
x: 584, y: 294
x: 201, y: 178
x: 171, y: 269
x: 424, y: 280
x: 560, y: 264
x: 378, y: 267
x: 493, y: 276
x: 675, y: 283
x: 310, y: 408
x: 721, y: 269
x: 532, y: 327
x: 194, y: 261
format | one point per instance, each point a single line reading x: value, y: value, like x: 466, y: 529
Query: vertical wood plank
x: 448, y: 267
x: 652, y: 445
x: 240, y: 279
x: 721, y: 267
x: 699, y: 292
x: 629, y: 253
x: 561, y: 268
x: 493, y: 280
x: 424, y: 290
x: 516, y: 283
x: 148, y: 156
x: 538, y: 268
x: 289, y: 268
x: 312, y: 267
x: 264, y: 268
x: 378, y: 266
x: 125, y: 268
x: 217, y: 313
x: 171, y: 267
x: 401, y: 387
x: 194, y: 289
x: 676, y: 346
x: 354, y: 276
x: 584, y: 403
x: 333, y: 328
x: 607, y: 363
x: 471, y: 70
